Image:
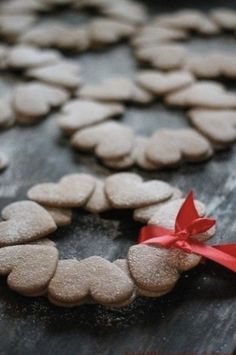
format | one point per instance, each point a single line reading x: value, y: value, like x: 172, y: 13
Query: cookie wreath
x: 212, y: 113
x: 32, y: 264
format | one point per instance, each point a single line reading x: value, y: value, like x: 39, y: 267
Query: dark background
x: 200, y: 314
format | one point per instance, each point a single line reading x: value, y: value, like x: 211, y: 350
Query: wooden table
x: 200, y: 314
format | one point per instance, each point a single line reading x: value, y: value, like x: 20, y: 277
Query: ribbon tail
x: 224, y: 255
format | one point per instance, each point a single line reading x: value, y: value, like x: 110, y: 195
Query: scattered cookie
x: 127, y: 190
x: 94, y: 278
x: 65, y: 74
x: 144, y: 214
x: 71, y: 191
x: 190, y: 20
x: 162, y: 83
x: 29, y: 267
x: 163, y: 56
x: 7, y: 116
x: 219, y: 126
x: 225, y: 18
x: 24, y: 56
x: 105, y: 31
x: 34, y: 100
x: 61, y: 216
x: 207, y: 94
x: 168, y: 147
x: 98, y: 202
x: 109, y: 140
x: 24, y: 222
x: 78, y: 114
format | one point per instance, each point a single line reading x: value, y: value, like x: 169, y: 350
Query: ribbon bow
x: 188, y: 226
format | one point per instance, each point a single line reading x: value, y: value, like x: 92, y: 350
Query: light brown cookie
x: 163, y: 56
x: 109, y: 140
x: 95, y: 278
x: 162, y: 83
x: 98, y: 202
x: 34, y: 100
x: 78, y: 114
x: 115, y: 89
x: 24, y: 222
x: 128, y: 190
x: 122, y: 163
x: 155, y: 271
x: 3, y: 162
x: 105, y: 31
x: 72, y: 190
x: 127, y: 11
x: 11, y: 26
x: 166, y: 216
x: 190, y: 20
x: 219, y: 126
x: 168, y: 147
x: 225, y: 18
x: 203, y: 94
x: 144, y: 214
x: 29, y: 267
x: 139, y: 154
x: 61, y: 216
x: 66, y: 74
x: 7, y: 116
x: 212, y: 65
x: 24, y: 56
x: 152, y: 35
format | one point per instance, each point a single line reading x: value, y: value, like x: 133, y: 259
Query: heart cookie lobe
x: 76, y: 282
x: 29, y: 267
x: 71, y: 191
x: 24, y: 222
x: 127, y: 190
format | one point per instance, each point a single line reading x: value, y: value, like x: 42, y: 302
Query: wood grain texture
x: 200, y: 314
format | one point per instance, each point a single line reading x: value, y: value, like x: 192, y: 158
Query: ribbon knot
x: 188, y: 226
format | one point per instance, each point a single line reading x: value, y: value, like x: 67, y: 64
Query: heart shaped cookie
x: 29, y: 267
x: 98, y: 202
x: 144, y: 214
x: 169, y: 147
x: 162, y: 83
x: 78, y: 114
x: 127, y: 11
x: 127, y: 190
x: 225, y: 18
x: 104, y: 31
x: 33, y: 100
x: 155, y: 271
x: 11, y: 26
x: 217, y: 125
x: 203, y: 94
x: 95, y: 278
x: 24, y: 221
x: 71, y: 191
x: 24, y: 56
x: 22, y: 6
x: 63, y: 73
x: 163, y: 56
x: 109, y: 140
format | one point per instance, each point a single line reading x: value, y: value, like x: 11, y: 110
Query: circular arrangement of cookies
x: 176, y: 75
x: 87, y: 114
x: 31, y: 262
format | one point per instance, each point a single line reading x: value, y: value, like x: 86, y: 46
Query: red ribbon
x: 188, y: 226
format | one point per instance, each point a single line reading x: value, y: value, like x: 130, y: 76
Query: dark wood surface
x: 200, y: 314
